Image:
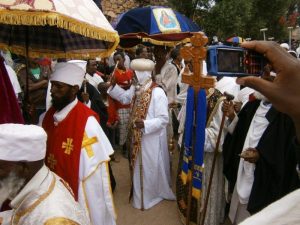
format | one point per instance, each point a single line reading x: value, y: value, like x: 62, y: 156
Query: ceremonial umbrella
x: 154, y: 24
x: 55, y: 29
x: 235, y: 39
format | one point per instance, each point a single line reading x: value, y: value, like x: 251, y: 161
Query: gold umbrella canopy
x: 56, y: 29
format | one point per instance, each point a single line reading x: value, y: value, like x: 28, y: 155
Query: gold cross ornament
x: 87, y: 144
x: 68, y: 146
x: 196, y: 53
x: 51, y: 161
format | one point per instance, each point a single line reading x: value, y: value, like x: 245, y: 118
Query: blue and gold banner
x: 194, y: 116
x: 188, y: 132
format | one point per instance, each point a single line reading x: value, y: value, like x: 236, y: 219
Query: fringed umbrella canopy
x: 56, y: 29
x: 154, y: 24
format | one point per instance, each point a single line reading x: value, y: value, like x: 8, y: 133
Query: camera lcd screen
x: 230, y: 61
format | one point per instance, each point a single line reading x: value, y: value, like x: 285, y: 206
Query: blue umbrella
x: 154, y: 24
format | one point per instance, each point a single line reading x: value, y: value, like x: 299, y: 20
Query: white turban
x: 285, y: 46
x: 20, y: 142
x: 68, y: 73
x: 142, y: 65
x: 81, y: 63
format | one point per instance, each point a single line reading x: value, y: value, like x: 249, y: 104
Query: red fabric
x: 72, y: 127
x: 124, y: 80
x: 252, y: 97
x: 10, y: 111
x: 99, y: 74
x: 112, y: 111
x: 44, y: 62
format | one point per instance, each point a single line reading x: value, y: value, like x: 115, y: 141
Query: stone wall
x: 113, y: 8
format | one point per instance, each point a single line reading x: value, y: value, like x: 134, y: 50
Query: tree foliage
x: 245, y: 18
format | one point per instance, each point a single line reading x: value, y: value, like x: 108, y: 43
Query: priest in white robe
x: 38, y: 196
x: 78, y: 149
x: 151, y: 162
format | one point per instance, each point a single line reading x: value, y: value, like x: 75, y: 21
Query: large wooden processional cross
x: 192, y: 167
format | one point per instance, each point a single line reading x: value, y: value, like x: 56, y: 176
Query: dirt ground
x: 164, y: 213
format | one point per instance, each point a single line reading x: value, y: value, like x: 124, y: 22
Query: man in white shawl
x: 149, y: 153
x: 38, y: 196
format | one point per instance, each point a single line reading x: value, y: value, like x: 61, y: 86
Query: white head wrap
x: 68, y: 73
x: 143, y: 68
x: 81, y: 63
x: 142, y: 65
x: 20, y: 142
x: 243, y: 95
x: 285, y: 46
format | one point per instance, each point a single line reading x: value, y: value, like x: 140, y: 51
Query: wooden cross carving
x: 197, y: 53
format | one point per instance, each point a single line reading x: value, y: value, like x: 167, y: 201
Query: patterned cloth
x: 139, y: 111
x: 124, y: 115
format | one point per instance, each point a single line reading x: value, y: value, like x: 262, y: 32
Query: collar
x: 61, y: 115
x: 271, y: 114
x: 31, y: 186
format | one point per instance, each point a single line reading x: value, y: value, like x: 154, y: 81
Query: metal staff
x: 84, y: 85
x: 113, y: 73
x: 229, y: 97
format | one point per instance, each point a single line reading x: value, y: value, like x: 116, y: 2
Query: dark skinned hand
x: 139, y: 123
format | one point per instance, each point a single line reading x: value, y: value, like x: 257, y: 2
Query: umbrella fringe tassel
x: 15, y: 17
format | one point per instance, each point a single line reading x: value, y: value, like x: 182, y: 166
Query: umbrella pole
x: 26, y: 104
x: 27, y: 64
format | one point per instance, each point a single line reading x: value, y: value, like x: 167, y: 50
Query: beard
x: 260, y: 96
x: 10, y: 187
x: 60, y: 103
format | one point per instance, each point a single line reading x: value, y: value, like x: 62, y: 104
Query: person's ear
x: 75, y: 89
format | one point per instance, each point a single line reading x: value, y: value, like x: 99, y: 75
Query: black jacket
x: 275, y: 173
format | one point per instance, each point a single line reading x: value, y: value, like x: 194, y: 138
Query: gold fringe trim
x: 165, y: 43
x: 76, y: 54
x: 40, y: 18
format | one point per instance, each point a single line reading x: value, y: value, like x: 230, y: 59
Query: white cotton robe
x: 155, y: 155
x: 94, y: 190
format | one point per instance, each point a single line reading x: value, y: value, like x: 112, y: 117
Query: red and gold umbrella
x: 56, y: 29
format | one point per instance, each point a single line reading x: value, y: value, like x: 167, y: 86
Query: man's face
x: 10, y: 181
x: 144, y: 53
x: 120, y: 59
x: 91, y: 67
x: 62, y: 94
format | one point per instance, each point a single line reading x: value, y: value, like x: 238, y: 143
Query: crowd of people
x: 56, y: 168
